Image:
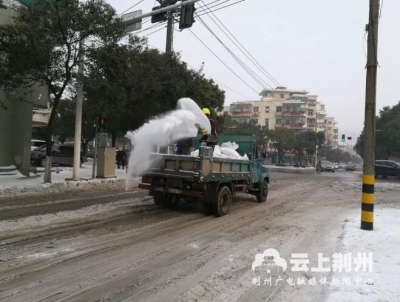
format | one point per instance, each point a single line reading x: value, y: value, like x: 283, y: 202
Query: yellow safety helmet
x: 206, y: 111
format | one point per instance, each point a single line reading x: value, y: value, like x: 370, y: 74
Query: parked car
x: 35, y: 143
x: 342, y: 166
x: 336, y: 165
x: 61, y: 155
x: 386, y: 168
x: 325, y: 166
x: 350, y: 167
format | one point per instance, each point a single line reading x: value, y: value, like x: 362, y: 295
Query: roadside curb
x: 291, y: 170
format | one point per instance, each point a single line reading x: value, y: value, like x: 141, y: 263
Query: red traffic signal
x: 101, y: 124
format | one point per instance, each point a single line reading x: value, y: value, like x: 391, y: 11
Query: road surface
x: 111, y: 245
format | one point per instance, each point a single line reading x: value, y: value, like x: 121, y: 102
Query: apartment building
x: 281, y: 107
x: 331, y: 132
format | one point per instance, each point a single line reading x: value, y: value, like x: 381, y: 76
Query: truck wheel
x: 222, y: 202
x: 263, y: 192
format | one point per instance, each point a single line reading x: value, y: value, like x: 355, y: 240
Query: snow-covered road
x: 105, y: 244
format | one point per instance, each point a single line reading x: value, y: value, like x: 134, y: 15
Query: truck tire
x: 263, y: 192
x: 222, y: 201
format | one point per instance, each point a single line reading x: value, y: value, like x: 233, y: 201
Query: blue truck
x: 207, y: 179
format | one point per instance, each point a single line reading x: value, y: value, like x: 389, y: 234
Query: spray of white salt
x: 161, y: 131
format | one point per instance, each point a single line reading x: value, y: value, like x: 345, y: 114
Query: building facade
x: 288, y: 108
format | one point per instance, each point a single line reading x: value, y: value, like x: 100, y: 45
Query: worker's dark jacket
x: 213, y: 137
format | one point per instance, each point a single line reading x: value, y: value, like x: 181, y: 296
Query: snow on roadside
x: 383, y: 242
x: 341, y: 186
x: 289, y: 167
x: 86, y: 213
x: 19, y: 185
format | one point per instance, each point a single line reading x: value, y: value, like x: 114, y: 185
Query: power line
x: 223, y: 62
x: 211, y: 78
x: 131, y: 7
x: 150, y: 27
x: 245, y: 52
x: 155, y: 31
x: 222, y: 7
x: 246, y: 67
x: 203, y: 7
x: 241, y: 63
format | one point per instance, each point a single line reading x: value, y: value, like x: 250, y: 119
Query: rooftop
x: 283, y: 89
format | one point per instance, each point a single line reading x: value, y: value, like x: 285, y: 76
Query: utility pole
x: 78, y: 116
x: 368, y: 197
x: 94, y: 152
x: 170, y: 32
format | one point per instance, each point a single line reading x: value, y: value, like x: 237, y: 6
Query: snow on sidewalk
x: 20, y: 184
x: 382, y: 283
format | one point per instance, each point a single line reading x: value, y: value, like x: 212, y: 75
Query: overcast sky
x: 315, y: 45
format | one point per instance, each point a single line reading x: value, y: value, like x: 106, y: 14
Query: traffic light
x: 187, y: 16
x: 160, y: 16
x: 343, y: 138
x: 101, y: 124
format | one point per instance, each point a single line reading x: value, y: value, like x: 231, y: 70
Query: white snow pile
x: 226, y: 150
x: 342, y: 186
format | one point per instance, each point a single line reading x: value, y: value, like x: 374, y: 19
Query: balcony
x: 294, y: 126
x: 241, y: 109
x: 294, y: 113
x: 239, y: 114
x: 255, y: 114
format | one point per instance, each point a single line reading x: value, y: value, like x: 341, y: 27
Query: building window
x: 255, y: 109
x: 310, y: 112
x: 282, y: 96
x: 279, y: 109
x: 278, y: 121
x: 266, y: 122
x: 267, y: 109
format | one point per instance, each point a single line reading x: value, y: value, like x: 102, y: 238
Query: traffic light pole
x: 78, y: 117
x: 368, y: 197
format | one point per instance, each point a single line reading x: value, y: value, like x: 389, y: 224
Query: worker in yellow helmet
x: 210, y: 139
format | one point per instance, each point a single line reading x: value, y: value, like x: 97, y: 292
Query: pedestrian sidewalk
x: 16, y: 183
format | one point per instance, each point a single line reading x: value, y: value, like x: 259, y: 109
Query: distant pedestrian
x: 121, y: 159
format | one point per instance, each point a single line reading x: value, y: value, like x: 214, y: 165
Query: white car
x: 336, y: 165
x: 35, y: 143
